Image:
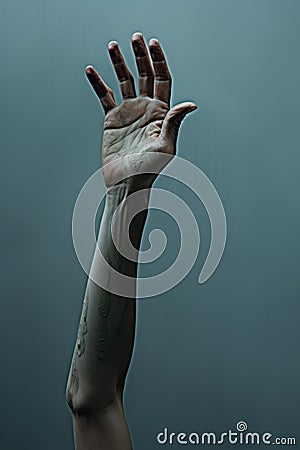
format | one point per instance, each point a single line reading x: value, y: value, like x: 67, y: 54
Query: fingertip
x: 137, y: 36
x: 154, y: 42
x: 188, y: 106
x: 156, y: 50
x: 192, y: 107
x: 112, y: 45
x: 91, y: 74
x: 89, y: 69
x: 138, y: 45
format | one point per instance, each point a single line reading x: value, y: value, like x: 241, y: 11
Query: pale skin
x: 142, y: 125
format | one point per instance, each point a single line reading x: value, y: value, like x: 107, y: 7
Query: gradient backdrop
x: 206, y: 356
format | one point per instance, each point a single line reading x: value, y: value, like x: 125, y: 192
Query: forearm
x: 106, y: 330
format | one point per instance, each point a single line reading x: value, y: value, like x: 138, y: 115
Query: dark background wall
x: 206, y: 356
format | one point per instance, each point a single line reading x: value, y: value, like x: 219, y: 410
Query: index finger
x: 103, y: 92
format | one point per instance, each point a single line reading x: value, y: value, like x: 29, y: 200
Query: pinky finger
x: 103, y: 92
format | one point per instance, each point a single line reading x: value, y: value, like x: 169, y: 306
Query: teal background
x: 206, y: 356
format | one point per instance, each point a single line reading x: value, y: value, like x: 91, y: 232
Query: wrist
x: 126, y: 212
x: 129, y: 192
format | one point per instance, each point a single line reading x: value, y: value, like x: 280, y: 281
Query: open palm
x: 141, y: 124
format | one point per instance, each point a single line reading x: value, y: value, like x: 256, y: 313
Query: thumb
x: 172, y: 122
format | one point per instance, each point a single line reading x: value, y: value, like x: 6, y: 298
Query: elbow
x: 69, y: 399
x: 91, y: 403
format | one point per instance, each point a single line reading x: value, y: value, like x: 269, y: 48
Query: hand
x: 141, y: 124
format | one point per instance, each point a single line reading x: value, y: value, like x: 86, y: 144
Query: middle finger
x: 146, y: 75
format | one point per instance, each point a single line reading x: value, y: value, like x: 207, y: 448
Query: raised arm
x: 142, y: 126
